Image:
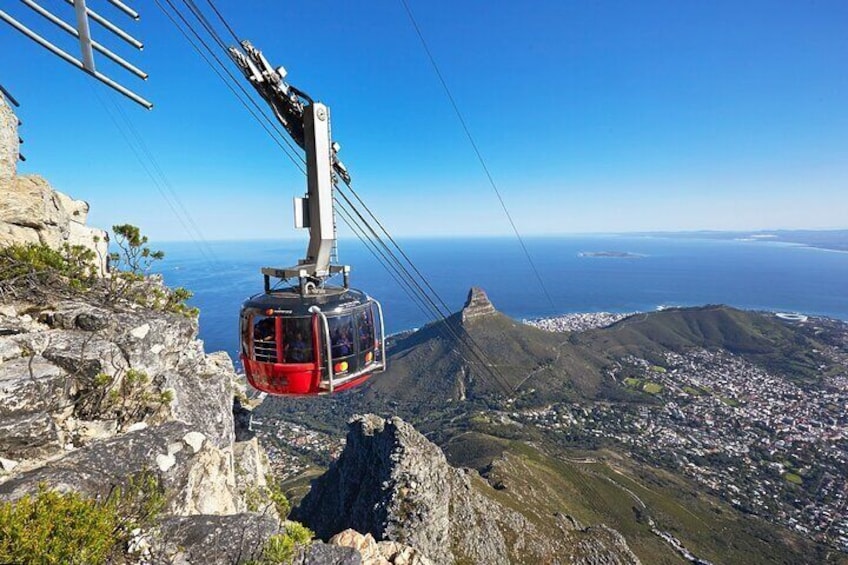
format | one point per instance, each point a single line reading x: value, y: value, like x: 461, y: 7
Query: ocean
x: 757, y: 275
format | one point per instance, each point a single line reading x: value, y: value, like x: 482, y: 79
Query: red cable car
x: 328, y: 342
x: 309, y: 337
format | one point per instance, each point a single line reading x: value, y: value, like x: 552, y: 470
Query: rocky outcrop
x: 32, y: 212
x: 392, y: 483
x: 477, y: 305
x: 8, y: 141
x: 92, y: 396
x: 373, y: 552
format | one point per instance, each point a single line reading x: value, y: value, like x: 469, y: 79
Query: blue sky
x: 592, y: 116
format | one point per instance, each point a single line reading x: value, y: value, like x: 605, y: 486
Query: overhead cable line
x: 257, y: 115
x: 197, y: 235
x: 402, y: 273
x: 223, y: 21
x: 470, y: 137
x: 157, y: 182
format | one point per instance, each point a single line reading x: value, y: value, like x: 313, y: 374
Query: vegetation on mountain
x: 27, y: 269
x: 591, y: 477
x: 54, y: 527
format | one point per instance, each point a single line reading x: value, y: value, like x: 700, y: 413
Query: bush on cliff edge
x: 58, y: 528
x: 26, y: 269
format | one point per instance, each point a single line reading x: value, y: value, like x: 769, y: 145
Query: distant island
x: 832, y: 240
x: 610, y: 254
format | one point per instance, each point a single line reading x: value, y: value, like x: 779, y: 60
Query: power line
x: 156, y: 181
x: 227, y: 83
x: 467, y: 131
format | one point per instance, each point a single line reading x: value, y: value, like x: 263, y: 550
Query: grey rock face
x: 212, y: 539
x: 227, y: 540
x: 95, y: 395
x: 394, y: 484
x: 70, y: 420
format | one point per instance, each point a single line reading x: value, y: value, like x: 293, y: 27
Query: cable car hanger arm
x: 287, y: 101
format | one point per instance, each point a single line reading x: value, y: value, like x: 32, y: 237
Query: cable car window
x: 264, y: 340
x: 341, y: 336
x: 366, y: 329
x: 298, y: 335
x: 245, y: 335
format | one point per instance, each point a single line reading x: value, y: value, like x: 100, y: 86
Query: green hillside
x: 604, y: 487
x: 541, y: 471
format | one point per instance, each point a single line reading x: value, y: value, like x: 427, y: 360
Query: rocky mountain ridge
x: 394, y: 484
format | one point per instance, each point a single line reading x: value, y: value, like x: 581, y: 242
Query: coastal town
x: 293, y: 448
x: 577, y: 322
x: 766, y: 444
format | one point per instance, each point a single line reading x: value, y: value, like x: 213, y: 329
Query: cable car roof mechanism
x: 304, y: 336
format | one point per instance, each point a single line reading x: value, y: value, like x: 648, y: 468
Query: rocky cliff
x: 32, y: 212
x: 392, y: 483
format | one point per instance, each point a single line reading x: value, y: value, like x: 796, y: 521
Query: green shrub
x: 278, y: 497
x: 56, y: 528
x: 129, y: 267
x: 280, y: 548
x: 133, y: 399
x: 29, y: 267
x: 24, y: 266
x: 66, y: 528
x: 259, y: 498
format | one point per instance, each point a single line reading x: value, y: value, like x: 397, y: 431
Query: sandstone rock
x: 382, y: 553
x: 477, y: 305
x: 32, y: 212
x: 366, y: 545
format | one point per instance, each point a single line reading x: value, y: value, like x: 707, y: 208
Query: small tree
x: 129, y: 268
x: 135, y: 256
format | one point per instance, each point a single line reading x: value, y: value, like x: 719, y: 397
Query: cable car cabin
x: 315, y: 344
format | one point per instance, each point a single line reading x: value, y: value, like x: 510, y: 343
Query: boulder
x: 373, y: 552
